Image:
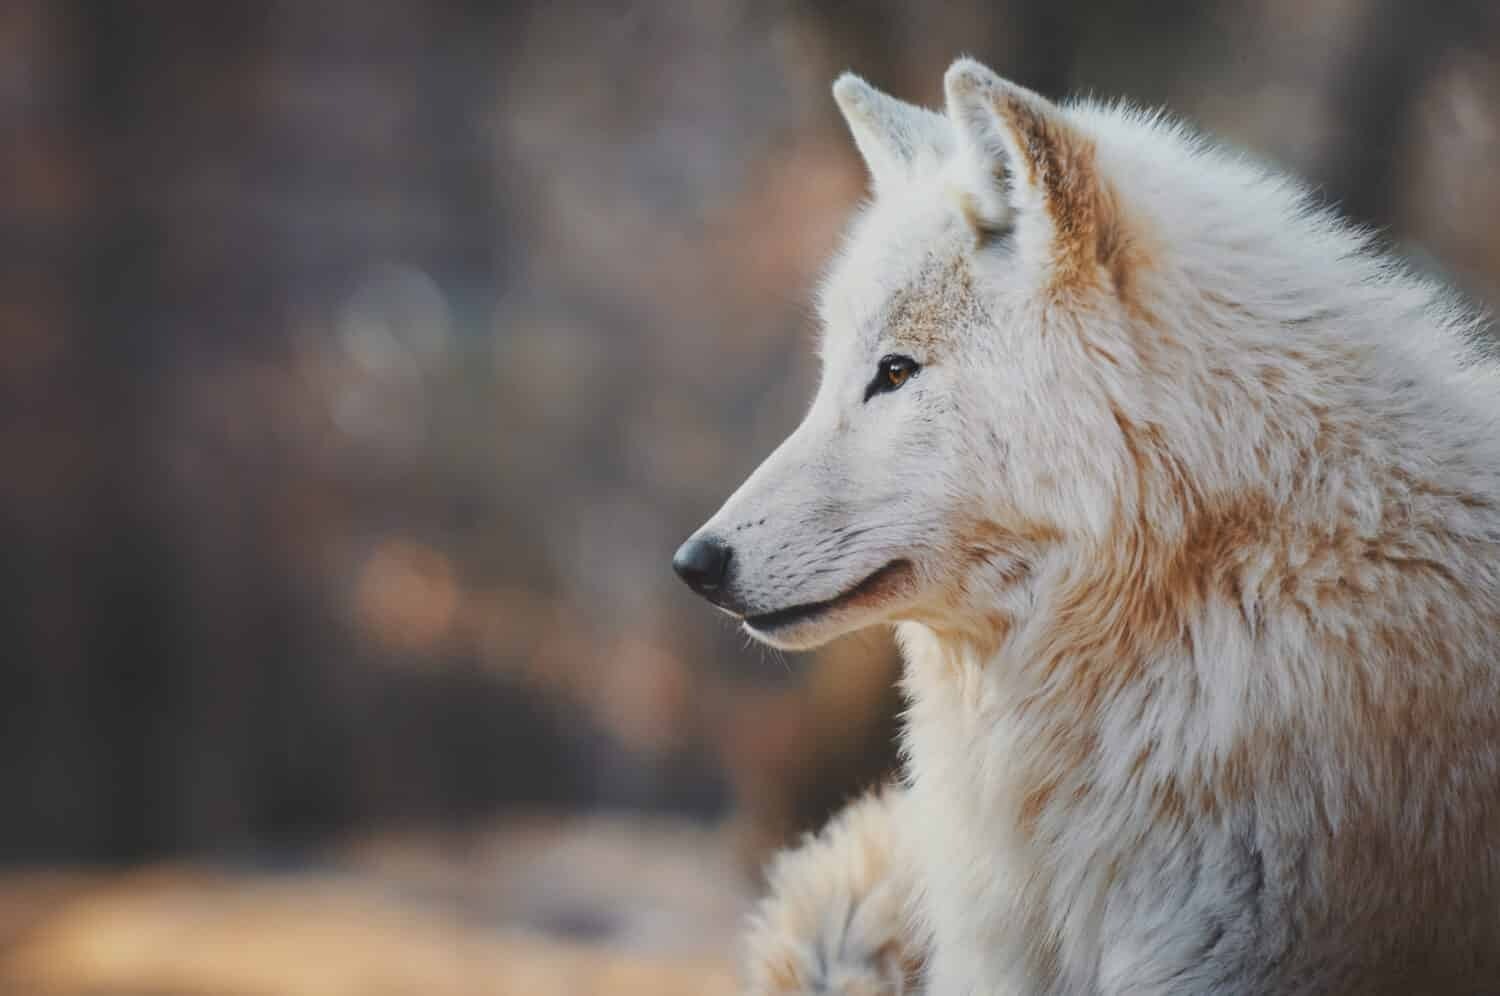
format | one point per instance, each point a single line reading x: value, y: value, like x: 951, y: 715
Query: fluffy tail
x: 838, y: 918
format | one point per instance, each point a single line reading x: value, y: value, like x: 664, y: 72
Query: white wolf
x: 1187, y: 505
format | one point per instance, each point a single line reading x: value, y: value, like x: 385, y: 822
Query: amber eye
x: 892, y: 372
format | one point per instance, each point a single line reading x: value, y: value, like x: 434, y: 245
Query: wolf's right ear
x: 894, y: 137
x: 1028, y: 169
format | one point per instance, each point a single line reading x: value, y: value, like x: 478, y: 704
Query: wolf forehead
x: 948, y: 194
x: 917, y: 311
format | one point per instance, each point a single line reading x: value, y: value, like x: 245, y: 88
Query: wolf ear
x: 1025, y: 160
x: 892, y: 135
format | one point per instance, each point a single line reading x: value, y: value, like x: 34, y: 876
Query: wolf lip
x: 880, y: 583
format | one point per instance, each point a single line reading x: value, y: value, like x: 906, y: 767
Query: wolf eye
x: 892, y: 372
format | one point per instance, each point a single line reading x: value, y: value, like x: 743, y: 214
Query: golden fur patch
x: 1092, y: 243
x: 922, y: 318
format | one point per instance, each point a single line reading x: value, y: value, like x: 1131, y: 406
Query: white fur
x: 1271, y: 764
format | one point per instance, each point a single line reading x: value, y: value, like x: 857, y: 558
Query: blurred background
x: 363, y: 361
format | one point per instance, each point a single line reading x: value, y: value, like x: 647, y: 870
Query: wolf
x: 1184, y: 499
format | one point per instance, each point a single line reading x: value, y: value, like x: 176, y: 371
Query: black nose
x: 701, y: 562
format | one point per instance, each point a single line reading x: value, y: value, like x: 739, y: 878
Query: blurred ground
x: 551, y: 907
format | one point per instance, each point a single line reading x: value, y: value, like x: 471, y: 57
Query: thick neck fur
x: 1308, y: 492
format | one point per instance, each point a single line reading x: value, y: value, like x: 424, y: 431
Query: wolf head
x: 904, y: 484
x: 1053, y: 330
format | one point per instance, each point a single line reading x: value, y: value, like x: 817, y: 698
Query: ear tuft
x: 985, y: 107
x: 852, y: 94
x: 1026, y: 159
x: 967, y: 76
x: 892, y: 135
x: 986, y: 156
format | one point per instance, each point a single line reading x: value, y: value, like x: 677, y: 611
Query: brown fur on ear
x: 1034, y: 147
x: 1089, y: 237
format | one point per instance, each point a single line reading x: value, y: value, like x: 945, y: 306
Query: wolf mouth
x: 876, y: 586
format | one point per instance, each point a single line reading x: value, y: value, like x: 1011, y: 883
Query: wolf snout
x: 702, y: 563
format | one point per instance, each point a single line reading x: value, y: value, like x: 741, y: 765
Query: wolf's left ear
x: 894, y: 137
x: 1025, y: 162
